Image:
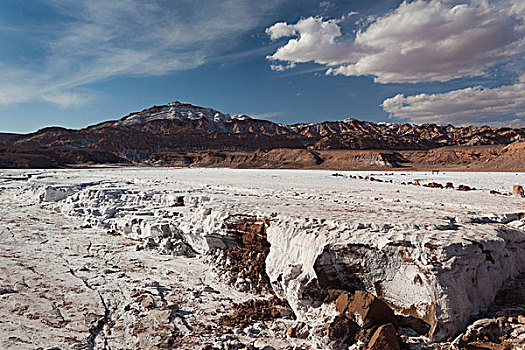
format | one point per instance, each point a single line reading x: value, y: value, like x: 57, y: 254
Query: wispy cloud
x: 434, y: 40
x: 68, y: 99
x: 267, y: 115
x: 103, y: 39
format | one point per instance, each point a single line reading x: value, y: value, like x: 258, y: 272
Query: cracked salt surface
x: 439, y: 255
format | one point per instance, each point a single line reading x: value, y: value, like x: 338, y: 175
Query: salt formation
x: 415, y: 269
x: 440, y: 256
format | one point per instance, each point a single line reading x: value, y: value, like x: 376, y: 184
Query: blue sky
x: 73, y: 63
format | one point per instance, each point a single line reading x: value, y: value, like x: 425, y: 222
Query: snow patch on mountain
x: 177, y: 110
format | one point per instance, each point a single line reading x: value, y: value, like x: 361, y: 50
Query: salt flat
x: 435, y: 254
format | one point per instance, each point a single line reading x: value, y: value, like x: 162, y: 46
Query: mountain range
x: 184, y: 134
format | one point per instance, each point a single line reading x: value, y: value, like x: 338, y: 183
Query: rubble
x: 254, y: 310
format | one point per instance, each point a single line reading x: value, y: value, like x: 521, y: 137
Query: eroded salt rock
x: 437, y: 270
x: 56, y: 193
x: 443, y: 282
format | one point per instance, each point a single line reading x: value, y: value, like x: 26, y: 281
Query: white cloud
x: 326, y: 4
x: 316, y: 42
x: 100, y: 39
x: 513, y: 123
x: 68, y: 99
x: 281, y: 68
x: 435, y: 40
x: 472, y: 105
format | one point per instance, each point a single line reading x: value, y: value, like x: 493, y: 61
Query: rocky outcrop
x: 417, y: 275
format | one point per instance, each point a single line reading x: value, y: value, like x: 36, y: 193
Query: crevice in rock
x: 99, y: 326
x: 95, y: 330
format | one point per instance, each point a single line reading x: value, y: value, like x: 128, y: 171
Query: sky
x: 73, y: 63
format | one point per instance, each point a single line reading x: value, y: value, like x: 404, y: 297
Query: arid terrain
x: 181, y: 258
x: 229, y: 232
x: 181, y: 134
x: 262, y: 175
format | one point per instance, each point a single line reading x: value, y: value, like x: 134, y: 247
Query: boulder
x: 384, y: 338
x: 464, y: 188
x: 334, y: 334
x: 179, y: 202
x: 517, y: 190
x: 434, y: 185
x: 417, y: 325
x: 300, y: 330
x: 365, y: 308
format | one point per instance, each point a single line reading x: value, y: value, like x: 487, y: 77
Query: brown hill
x: 471, y: 158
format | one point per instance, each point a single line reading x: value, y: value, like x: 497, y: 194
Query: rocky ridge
x: 180, y: 127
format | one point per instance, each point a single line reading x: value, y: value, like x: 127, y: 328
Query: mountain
x: 177, y: 128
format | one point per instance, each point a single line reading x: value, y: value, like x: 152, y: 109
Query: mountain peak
x: 177, y: 111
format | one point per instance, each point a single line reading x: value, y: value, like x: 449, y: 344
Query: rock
x: 257, y: 310
x: 300, y: 330
x: 279, y: 311
x: 4, y: 291
x: 57, y: 193
x: 179, y: 202
x: 491, y: 329
x: 342, y: 327
x: 434, y: 185
x: 417, y: 325
x: 366, y: 309
x: 146, y: 301
x: 517, y: 190
x: 339, y: 331
x: 290, y: 332
x: 384, y: 338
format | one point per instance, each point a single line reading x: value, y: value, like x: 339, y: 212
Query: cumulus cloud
x: 472, y: 105
x: 98, y: 39
x: 419, y: 41
x: 317, y: 42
